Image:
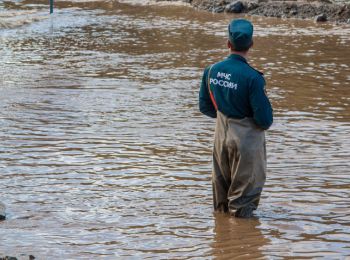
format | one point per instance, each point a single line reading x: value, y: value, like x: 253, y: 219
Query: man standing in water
x: 234, y: 93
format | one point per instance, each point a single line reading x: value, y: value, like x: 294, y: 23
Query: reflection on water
x: 238, y: 238
x: 104, y: 153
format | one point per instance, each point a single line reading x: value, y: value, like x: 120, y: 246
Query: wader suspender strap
x: 211, y: 93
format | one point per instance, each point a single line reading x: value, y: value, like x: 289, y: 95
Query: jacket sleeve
x: 205, y: 104
x: 261, y: 106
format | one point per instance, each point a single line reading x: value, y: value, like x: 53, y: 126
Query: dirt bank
x: 319, y: 11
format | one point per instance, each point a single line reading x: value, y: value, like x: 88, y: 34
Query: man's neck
x: 240, y: 53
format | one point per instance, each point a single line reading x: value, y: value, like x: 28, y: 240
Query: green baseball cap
x: 240, y: 33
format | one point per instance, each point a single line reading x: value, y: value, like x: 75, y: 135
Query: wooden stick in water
x: 2, y: 211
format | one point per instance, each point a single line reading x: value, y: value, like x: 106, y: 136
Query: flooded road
x: 105, y: 154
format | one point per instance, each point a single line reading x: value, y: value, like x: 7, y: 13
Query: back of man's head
x: 240, y: 35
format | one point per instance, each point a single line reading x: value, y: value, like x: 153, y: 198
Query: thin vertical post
x: 51, y: 6
x: 51, y: 17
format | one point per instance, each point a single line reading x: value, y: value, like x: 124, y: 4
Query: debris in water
x: 2, y: 211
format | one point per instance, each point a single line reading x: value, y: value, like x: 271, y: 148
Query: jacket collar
x: 237, y: 57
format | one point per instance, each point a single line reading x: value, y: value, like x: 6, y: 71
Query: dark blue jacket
x: 238, y: 89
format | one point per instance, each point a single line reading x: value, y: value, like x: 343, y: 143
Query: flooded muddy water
x: 105, y: 154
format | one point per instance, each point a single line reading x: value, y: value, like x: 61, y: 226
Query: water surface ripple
x: 104, y: 153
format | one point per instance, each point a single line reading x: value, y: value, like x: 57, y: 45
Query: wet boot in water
x: 246, y: 212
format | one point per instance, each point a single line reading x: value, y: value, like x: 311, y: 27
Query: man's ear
x: 229, y: 45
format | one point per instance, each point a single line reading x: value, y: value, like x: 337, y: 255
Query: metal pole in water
x: 51, y: 6
x: 51, y: 16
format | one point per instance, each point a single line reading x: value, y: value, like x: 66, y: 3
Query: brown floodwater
x: 103, y: 152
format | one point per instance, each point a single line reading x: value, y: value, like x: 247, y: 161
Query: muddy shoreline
x: 319, y: 11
